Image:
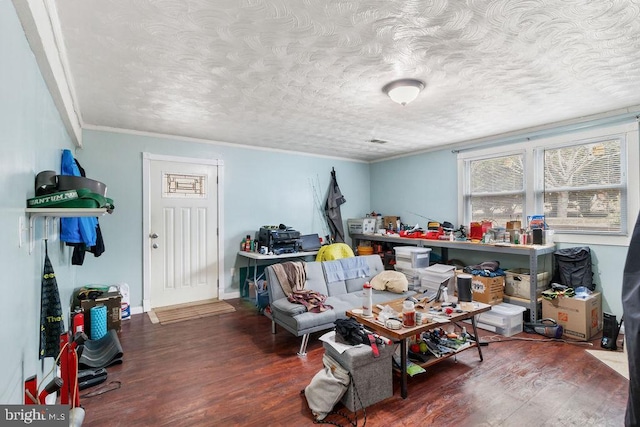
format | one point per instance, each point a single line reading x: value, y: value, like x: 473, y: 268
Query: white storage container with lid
x: 413, y: 276
x: 431, y: 277
x: 504, y: 319
x: 412, y: 256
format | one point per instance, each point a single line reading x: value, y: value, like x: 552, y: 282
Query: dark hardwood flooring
x: 229, y: 370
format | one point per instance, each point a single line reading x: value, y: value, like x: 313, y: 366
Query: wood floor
x: 229, y: 370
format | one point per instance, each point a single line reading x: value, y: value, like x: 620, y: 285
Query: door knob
x: 153, y: 235
x: 155, y: 246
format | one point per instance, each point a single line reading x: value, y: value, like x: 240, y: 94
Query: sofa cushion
x: 309, y: 320
x: 345, y: 302
x: 315, y: 278
x: 337, y: 288
x: 315, y: 281
x: 375, y: 267
x: 287, y: 307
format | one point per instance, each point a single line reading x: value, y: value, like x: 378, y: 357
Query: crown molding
x: 41, y: 26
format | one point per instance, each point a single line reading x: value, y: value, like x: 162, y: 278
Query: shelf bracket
x: 47, y: 214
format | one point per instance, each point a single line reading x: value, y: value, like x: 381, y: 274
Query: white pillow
x: 390, y: 280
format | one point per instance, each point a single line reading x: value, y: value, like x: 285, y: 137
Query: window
x: 584, y: 187
x: 578, y: 180
x: 496, y: 188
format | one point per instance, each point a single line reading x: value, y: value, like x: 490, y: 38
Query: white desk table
x: 255, y: 258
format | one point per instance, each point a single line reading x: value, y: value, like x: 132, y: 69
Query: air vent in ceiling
x: 378, y: 141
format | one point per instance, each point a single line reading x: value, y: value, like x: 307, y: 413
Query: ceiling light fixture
x: 403, y: 91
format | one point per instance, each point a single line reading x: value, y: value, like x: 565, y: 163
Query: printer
x: 279, y: 239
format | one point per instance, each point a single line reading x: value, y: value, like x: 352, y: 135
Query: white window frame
x: 465, y: 195
x: 534, y: 181
x: 624, y: 184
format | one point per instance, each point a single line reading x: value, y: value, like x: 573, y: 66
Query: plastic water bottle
x: 367, y: 300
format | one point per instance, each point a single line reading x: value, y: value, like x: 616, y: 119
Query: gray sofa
x: 342, y: 295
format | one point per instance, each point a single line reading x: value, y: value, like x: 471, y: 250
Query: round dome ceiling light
x: 403, y: 91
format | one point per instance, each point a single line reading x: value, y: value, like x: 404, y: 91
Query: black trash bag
x: 573, y: 267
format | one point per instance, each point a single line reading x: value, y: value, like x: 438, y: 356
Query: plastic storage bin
x: 412, y: 256
x: 432, y: 277
x: 504, y: 319
x: 413, y: 276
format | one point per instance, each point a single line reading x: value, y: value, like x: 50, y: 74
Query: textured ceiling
x: 306, y: 75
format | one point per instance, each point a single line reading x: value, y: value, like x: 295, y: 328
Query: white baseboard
x: 137, y: 310
x: 231, y: 295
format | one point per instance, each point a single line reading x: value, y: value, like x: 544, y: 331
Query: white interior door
x: 183, y: 238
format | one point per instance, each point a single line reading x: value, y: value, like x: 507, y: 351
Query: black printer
x: 279, y: 239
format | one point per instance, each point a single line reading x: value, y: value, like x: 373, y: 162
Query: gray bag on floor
x: 326, y: 388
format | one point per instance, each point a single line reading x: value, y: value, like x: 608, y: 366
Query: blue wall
x: 32, y: 137
x: 261, y: 187
x: 415, y: 187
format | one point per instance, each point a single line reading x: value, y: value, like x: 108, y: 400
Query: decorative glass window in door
x: 184, y: 186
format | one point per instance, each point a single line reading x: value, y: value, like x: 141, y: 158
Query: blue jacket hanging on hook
x: 76, y: 229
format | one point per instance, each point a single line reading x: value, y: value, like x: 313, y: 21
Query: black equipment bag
x: 349, y: 331
x: 573, y: 267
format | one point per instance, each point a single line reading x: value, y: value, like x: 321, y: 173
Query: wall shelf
x: 46, y: 213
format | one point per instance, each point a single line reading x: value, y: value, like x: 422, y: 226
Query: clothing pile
x: 486, y: 269
x: 292, y: 276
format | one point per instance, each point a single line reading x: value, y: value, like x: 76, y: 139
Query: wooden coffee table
x: 469, y: 312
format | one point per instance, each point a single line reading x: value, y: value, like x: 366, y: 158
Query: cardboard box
x: 489, y: 290
x: 581, y: 318
x: 252, y: 290
x: 514, y: 225
x: 518, y: 283
x: 114, y: 313
x: 390, y: 219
